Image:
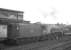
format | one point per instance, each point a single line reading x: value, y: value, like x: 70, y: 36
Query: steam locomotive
x: 20, y: 33
x: 14, y: 31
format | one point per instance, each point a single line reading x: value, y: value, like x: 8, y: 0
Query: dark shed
x: 11, y: 15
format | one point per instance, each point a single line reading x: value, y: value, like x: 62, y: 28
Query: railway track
x: 43, y: 45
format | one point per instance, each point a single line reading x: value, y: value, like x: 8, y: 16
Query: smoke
x: 49, y: 15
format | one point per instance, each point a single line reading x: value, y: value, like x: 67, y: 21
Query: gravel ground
x: 44, y: 45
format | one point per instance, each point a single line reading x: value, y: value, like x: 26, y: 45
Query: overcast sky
x: 45, y: 11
